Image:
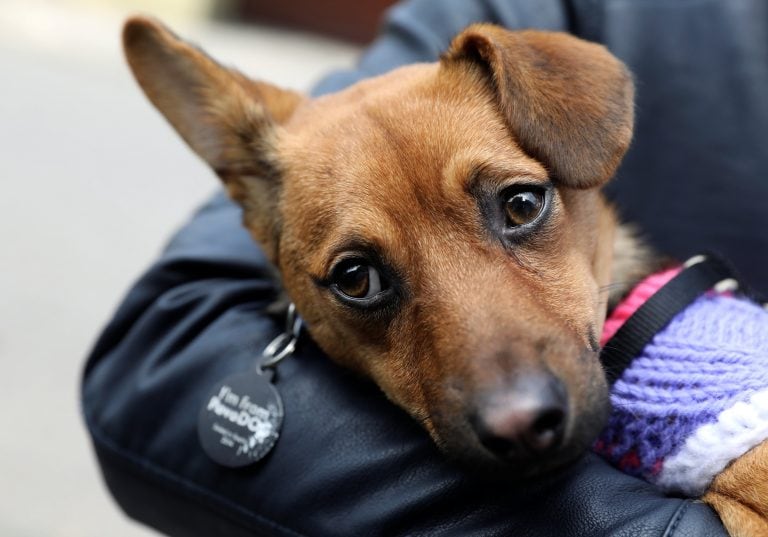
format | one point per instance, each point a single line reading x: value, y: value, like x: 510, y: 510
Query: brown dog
x: 441, y: 229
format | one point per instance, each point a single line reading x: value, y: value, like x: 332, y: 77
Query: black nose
x: 524, y: 419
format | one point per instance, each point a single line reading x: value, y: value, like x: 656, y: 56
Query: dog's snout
x: 525, y: 419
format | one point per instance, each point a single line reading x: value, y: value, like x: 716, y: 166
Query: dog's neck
x: 633, y: 259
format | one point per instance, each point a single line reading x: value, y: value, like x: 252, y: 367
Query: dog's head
x: 439, y: 228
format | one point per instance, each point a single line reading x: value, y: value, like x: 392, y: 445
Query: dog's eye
x: 356, y: 278
x: 523, y: 207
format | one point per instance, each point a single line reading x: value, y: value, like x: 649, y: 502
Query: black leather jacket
x: 348, y: 462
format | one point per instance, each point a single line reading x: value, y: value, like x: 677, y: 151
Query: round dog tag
x: 240, y: 420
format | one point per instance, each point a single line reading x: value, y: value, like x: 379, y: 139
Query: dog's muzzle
x: 524, y: 420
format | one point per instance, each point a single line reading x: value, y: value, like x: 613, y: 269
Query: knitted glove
x: 697, y: 396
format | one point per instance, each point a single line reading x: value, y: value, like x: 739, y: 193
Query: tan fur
x: 740, y: 494
x: 632, y: 261
x: 400, y: 166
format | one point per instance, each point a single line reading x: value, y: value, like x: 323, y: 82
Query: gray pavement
x: 92, y: 182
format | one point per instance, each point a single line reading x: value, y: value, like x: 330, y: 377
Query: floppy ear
x: 569, y: 103
x: 227, y: 119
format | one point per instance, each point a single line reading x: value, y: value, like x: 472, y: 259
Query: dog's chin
x: 482, y: 464
x: 466, y: 452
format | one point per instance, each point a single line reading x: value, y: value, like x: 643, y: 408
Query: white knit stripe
x: 713, y: 446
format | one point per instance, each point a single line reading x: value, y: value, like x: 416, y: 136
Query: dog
x: 441, y: 230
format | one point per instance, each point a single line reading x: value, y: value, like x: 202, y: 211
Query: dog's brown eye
x: 523, y: 207
x: 357, y: 279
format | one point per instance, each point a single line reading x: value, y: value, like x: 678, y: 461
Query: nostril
x: 525, y: 419
x: 546, y: 431
x: 549, y: 420
x: 500, y: 445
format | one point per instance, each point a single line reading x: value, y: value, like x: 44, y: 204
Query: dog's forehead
x: 370, y: 156
x: 417, y: 112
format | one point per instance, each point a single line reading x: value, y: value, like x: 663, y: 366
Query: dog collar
x: 653, y: 303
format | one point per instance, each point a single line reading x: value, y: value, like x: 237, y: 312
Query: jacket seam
x: 677, y: 517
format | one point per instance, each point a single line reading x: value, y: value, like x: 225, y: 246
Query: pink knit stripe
x: 636, y: 298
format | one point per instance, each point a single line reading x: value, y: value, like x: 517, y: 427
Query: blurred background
x: 92, y: 183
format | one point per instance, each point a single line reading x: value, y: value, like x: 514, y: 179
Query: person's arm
x: 348, y: 462
x: 420, y: 30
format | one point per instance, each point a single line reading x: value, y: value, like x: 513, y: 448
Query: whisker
x: 611, y: 286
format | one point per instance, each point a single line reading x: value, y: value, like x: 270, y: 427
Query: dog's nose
x: 525, y: 419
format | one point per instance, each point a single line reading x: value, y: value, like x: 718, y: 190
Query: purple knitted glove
x: 695, y: 399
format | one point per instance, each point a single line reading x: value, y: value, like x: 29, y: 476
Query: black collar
x: 699, y: 275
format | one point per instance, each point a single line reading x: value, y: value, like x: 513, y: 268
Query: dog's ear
x: 569, y: 103
x: 227, y: 119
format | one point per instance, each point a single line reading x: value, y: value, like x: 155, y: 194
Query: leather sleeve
x: 348, y: 462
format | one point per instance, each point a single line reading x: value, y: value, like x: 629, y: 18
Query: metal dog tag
x: 240, y: 421
x: 241, y: 417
